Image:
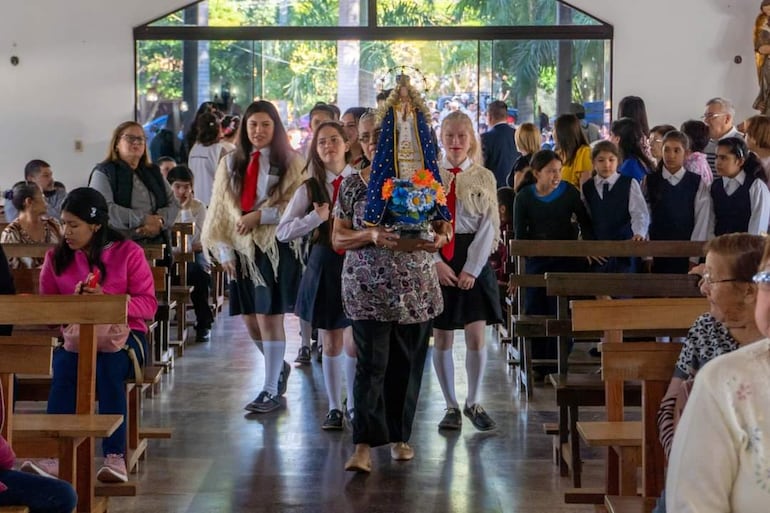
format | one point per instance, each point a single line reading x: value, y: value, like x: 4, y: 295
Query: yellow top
x: 581, y: 164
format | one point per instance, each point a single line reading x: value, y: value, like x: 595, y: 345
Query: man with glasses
x: 719, y: 116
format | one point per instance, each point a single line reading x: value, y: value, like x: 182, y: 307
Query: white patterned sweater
x: 720, y: 459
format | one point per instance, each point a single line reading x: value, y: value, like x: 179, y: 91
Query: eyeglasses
x: 133, y: 139
x: 712, y: 115
x: 708, y: 281
x: 762, y: 278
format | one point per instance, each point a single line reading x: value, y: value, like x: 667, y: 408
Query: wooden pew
x: 181, y: 234
x: 576, y: 390
x: 650, y: 363
x: 526, y: 327
x: 613, y: 317
x: 71, y: 437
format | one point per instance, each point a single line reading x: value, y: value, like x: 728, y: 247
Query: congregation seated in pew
x: 199, y: 271
x: 95, y: 259
x: 32, y: 226
x: 40, y: 494
x: 731, y: 261
x: 718, y: 460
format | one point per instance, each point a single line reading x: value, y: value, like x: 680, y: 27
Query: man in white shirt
x: 719, y: 116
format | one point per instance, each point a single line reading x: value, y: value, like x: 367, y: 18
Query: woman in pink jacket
x: 39, y: 494
x: 95, y: 259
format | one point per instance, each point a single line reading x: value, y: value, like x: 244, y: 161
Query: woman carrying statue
x: 390, y: 295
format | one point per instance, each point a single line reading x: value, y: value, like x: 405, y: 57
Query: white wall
x: 75, y: 78
x: 677, y: 54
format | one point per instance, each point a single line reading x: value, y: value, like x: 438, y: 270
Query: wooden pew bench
x: 181, y: 234
x: 614, y: 317
x: 70, y: 437
x: 576, y: 390
x: 526, y: 327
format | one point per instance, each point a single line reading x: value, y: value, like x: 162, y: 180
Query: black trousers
x: 391, y: 360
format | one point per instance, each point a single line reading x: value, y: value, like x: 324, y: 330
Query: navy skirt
x: 277, y: 296
x: 480, y: 303
x: 319, y: 300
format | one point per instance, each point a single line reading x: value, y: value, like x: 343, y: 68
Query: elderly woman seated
x: 718, y: 459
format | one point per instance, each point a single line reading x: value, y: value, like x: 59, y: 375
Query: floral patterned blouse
x: 381, y: 284
x: 14, y: 233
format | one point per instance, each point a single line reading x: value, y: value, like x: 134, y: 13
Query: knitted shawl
x: 476, y: 188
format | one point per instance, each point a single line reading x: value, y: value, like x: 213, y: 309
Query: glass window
x: 269, y: 13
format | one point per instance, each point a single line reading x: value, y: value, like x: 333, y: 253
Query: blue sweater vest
x: 733, y: 212
x: 609, y: 215
x: 672, y: 208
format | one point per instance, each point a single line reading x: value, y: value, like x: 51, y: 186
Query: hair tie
x: 93, y: 212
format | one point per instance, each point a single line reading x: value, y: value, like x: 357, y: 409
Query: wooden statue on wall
x: 762, y: 53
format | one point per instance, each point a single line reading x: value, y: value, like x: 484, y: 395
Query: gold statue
x: 762, y: 51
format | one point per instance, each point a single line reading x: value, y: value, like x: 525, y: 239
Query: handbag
x: 110, y: 338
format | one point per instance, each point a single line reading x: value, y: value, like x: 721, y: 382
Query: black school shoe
x: 202, y: 335
x: 333, y: 421
x: 480, y: 419
x: 453, y: 419
x: 283, y: 379
x: 264, y: 403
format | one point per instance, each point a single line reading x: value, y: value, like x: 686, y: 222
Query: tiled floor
x: 222, y: 460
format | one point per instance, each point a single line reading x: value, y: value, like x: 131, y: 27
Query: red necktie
x: 336, y: 184
x: 249, y: 190
x: 448, y: 250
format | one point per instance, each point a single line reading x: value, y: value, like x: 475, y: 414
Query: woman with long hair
x: 573, y: 150
x: 252, y: 187
x: 206, y: 153
x: 95, y: 259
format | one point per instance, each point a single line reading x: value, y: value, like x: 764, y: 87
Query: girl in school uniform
x: 468, y: 284
x: 573, y: 149
x: 543, y: 210
x: 627, y: 135
x: 253, y: 185
x: 739, y: 196
x: 349, y: 119
x: 616, y: 206
x: 680, y: 203
x: 319, y: 300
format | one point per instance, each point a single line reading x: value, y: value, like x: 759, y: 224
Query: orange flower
x: 422, y: 178
x: 387, y: 189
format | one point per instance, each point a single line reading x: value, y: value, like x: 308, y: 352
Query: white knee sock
x: 274, y: 353
x: 305, y: 330
x: 475, y: 362
x: 259, y: 345
x: 445, y: 372
x: 332, y: 367
x: 350, y: 377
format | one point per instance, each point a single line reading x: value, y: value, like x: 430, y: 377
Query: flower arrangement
x: 411, y: 202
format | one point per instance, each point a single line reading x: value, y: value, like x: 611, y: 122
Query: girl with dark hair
x: 633, y: 107
x: 616, y: 205
x: 680, y: 203
x: 95, y: 259
x: 206, y: 154
x: 32, y: 226
x: 350, y: 123
x: 740, y: 196
x: 627, y: 134
x: 543, y: 210
x: 319, y: 300
x: 696, y: 162
x: 192, y: 134
x: 141, y: 204
x: 252, y: 187
x: 573, y: 149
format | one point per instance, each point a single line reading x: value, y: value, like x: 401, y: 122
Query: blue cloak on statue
x: 384, y: 167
